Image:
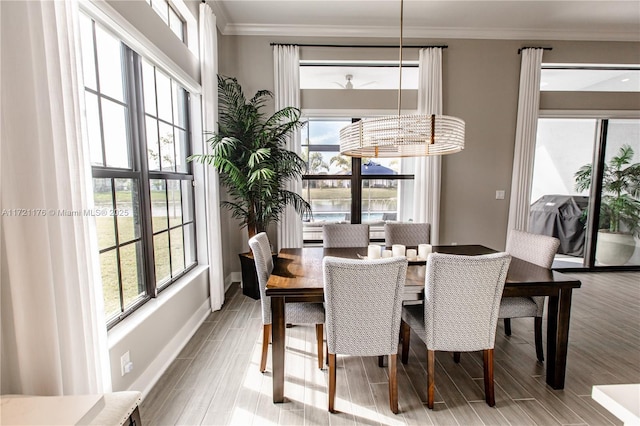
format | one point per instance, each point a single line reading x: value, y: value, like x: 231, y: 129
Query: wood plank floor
x: 215, y: 379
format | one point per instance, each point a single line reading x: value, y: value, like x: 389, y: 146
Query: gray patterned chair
x: 345, y: 235
x: 459, y: 313
x: 408, y: 234
x: 295, y: 313
x: 363, y: 300
x: 540, y: 250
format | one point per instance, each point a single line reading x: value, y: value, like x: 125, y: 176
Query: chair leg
x: 538, y: 336
x: 332, y: 382
x: 456, y: 357
x: 507, y: 326
x: 320, y: 339
x: 393, y: 383
x: 431, y: 373
x: 487, y: 358
x: 405, y: 331
x: 266, y: 334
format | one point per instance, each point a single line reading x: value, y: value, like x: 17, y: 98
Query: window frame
x: 355, y: 176
x: 141, y: 175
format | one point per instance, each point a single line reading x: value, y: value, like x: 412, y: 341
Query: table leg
x: 559, y: 312
x: 277, y: 347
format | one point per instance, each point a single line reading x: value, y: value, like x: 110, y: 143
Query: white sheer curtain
x: 53, y: 325
x: 209, y: 82
x: 525, y: 143
x: 426, y: 200
x: 286, y: 71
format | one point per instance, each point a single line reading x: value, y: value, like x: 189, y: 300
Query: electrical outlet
x: 500, y: 195
x: 126, y: 366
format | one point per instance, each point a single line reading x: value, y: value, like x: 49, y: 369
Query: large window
x: 137, y: 127
x: 351, y: 190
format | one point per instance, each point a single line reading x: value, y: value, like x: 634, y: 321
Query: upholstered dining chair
x: 295, y: 313
x: 363, y: 299
x: 540, y: 250
x: 409, y: 234
x: 460, y: 311
x: 345, y: 235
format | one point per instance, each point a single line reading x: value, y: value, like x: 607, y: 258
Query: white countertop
x: 623, y: 401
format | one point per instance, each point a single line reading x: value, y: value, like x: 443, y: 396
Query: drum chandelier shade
x: 410, y: 135
x: 403, y: 136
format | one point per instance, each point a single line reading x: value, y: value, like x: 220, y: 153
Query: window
x: 358, y: 75
x: 353, y: 190
x: 137, y: 127
x: 590, y: 78
x: 169, y: 16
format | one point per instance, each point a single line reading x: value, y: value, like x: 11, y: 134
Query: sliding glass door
x: 586, y: 189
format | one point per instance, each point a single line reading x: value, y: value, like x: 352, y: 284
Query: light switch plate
x: 499, y: 195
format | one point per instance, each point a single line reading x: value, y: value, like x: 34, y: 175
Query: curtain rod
x: 534, y: 47
x: 384, y: 46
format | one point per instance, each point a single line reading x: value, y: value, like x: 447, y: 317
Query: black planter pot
x: 250, y: 286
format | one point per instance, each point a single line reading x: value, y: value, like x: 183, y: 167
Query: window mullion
x: 139, y: 140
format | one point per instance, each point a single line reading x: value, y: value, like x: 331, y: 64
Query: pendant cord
x: 400, y: 62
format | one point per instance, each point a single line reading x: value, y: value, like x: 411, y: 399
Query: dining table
x: 298, y: 277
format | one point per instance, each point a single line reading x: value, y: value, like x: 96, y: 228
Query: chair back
x: 363, y: 302
x: 534, y: 248
x: 345, y: 235
x: 408, y: 234
x: 264, y: 266
x: 462, y: 300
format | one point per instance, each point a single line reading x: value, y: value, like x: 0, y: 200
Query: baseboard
x: 157, y: 368
x: 234, y: 277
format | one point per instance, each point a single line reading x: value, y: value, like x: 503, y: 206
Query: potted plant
x: 619, y: 208
x: 249, y: 152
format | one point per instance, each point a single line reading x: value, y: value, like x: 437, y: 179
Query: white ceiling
x: 608, y: 20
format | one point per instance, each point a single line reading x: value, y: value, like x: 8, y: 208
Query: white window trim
x: 565, y: 113
x: 132, y: 37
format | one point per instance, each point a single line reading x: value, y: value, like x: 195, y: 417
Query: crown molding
x: 292, y: 30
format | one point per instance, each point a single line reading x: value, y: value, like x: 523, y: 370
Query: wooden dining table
x: 298, y: 277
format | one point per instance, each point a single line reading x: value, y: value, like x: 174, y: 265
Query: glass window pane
x: 619, y: 211
x: 175, y: 203
x: 88, y: 53
x: 177, y: 251
x: 179, y: 112
x: 167, y: 154
x: 330, y: 199
x: 189, y: 244
x: 181, y: 151
x: 109, y: 64
x: 110, y: 287
x: 567, y: 79
x: 127, y: 211
x: 162, y: 8
x: 323, y: 132
x: 159, y: 204
x: 175, y: 23
x: 163, y: 91
x: 103, y: 199
x: 153, y: 150
x: 93, y: 128
x: 131, y: 272
x: 379, y: 196
x: 115, y: 134
x: 161, y: 253
x: 187, y: 200
x: 149, y: 87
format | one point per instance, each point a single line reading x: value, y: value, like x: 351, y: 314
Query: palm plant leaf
x: 249, y: 152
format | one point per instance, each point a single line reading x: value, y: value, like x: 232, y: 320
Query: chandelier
x: 409, y: 135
